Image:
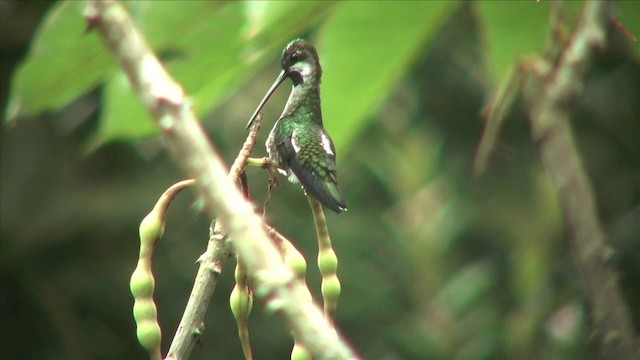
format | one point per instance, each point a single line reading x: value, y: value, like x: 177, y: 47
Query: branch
x: 550, y: 91
x: 192, y: 323
x: 495, y: 116
x: 211, y: 265
x: 272, y: 281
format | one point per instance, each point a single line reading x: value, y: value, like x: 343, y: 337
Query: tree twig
x: 211, y: 264
x: 550, y: 91
x: 272, y: 281
x: 495, y: 115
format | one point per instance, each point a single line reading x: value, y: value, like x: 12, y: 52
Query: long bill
x: 283, y: 75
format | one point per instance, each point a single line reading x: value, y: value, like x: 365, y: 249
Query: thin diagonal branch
x: 550, y: 94
x: 211, y: 265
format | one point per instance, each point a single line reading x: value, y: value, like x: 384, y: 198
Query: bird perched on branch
x: 298, y: 141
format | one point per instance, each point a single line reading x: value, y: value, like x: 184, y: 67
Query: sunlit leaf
x: 628, y: 13
x: 123, y: 116
x: 365, y: 48
x: 219, y: 47
x: 64, y: 62
x: 169, y: 25
x: 239, y: 42
x: 268, y: 18
x: 195, y: 56
x: 512, y: 29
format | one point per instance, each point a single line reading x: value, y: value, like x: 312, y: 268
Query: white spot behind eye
x: 304, y: 69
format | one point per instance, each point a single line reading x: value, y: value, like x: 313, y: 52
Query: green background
x: 434, y: 263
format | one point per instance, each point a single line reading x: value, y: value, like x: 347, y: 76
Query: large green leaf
x: 63, y: 63
x: 628, y: 13
x: 365, y: 48
x: 123, y: 116
x: 196, y: 38
x: 211, y: 48
x: 220, y: 46
x: 238, y: 54
x: 512, y: 29
x: 169, y: 25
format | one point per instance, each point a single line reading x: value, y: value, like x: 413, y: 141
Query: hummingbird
x: 298, y: 141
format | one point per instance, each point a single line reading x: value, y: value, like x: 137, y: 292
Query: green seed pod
x: 299, y: 352
x: 151, y: 228
x: 142, y: 282
x: 144, y: 310
x: 296, y: 262
x: 241, y: 302
x: 149, y: 335
x: 239, y: 274
x: 331, y: 289
x: 327, y: 261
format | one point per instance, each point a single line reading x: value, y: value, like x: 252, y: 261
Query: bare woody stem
x: 211, y: 265
x: 192, y: 323
x: 549, y: 91
x: 272, y: 281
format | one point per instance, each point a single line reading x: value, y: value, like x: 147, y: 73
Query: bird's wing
x: 315, y: 167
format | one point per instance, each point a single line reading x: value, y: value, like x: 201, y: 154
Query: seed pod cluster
x: 142, y: 285
x: 241, y: 302
x: 328, y: 265
x: 295, y: 261
x: 300, y: 352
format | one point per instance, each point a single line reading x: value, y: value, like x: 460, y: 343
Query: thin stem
x: 211, y: 264
x: 550, y: 95
x: 327, y: 260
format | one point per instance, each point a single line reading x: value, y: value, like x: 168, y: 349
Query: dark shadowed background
x: 434, y: 263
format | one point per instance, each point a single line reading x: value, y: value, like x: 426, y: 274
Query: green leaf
x: 512, y: 30
x: 123, y: 115
x: 219, y: 47
x: 194, y: 36
x: 238, y: 42
x: 628, y: 13
x: 63, y: 64
x: 210, y: 48
x: 365, y: 48
x: 268, y: 19
x: 167, y: 25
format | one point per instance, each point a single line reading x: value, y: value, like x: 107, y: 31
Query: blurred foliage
x: 434, y: 263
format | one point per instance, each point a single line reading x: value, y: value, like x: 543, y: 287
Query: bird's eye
x: 295, y: 57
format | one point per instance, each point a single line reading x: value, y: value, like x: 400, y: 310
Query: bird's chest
x: 276, y: 138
